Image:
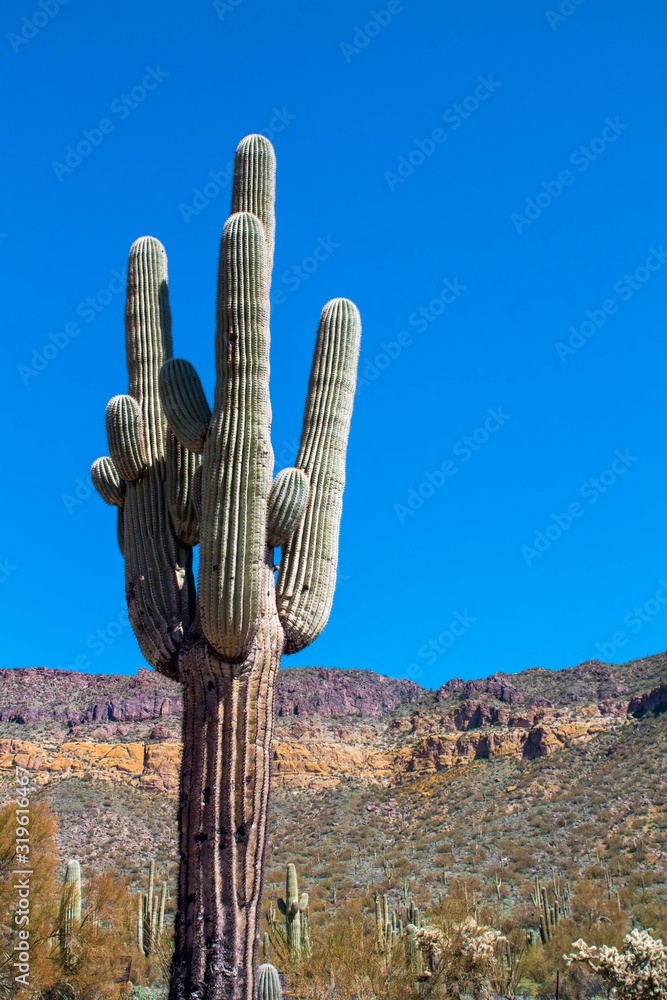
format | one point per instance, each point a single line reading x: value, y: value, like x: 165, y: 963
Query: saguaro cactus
x: 70, y: 912
x: 150, y: 914
x: 293, y: 908
x: 181, y: 474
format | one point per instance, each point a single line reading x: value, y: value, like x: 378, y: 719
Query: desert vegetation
x: 94, y: 936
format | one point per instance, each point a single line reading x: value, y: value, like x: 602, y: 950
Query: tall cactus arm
x: 158, y: 575
x: 307, y: 578
x: 182, y: 465
x: 188, y: 415
x: 254, y: 186
x: 238, y: 459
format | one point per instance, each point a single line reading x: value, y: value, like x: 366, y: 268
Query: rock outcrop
x: 333, y: 725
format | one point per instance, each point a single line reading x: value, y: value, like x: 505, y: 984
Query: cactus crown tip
x: 146, y: 244
x: 255, y: 141
x: 343, y: 304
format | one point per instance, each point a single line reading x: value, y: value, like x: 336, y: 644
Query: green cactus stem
x: 412, y: 952
x: 150, y: 915
x: 181, y: 473
x: 293, y: 908
x: 549, y: 916
x: 268, y: 983
x: 379, y: 921
x: 70, y: 913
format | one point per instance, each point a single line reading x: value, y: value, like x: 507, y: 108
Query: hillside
x: 376, y: 780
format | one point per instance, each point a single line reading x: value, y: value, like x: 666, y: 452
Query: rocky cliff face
x: 333, y: 725
x: 37, y: 694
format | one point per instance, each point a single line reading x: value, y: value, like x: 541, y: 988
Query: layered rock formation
x: 333, y: 725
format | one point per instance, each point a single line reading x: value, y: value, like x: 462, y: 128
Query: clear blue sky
x: 482, y: 179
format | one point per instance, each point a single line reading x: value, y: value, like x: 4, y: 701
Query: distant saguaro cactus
x: 70, y: 912
x: 182, y: 474
x: 293, y: 908
x: 150, y: 914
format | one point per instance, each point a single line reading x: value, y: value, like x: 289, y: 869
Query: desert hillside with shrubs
x: 455, y: 842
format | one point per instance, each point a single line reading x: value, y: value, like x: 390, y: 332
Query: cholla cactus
x: 182, y: 473
x: 268, y: 983
x: 466, y: 955
x: 639, y: 972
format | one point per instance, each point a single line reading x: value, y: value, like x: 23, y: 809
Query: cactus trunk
x: 228, y: 723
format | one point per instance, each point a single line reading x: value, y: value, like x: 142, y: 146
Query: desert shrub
x: 346, y: 962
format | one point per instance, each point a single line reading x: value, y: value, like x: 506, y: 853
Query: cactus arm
x: 182, y: 466
x: 238, y: 458
x: 158, y: 576
x: 254, y: 186
x: 184, y: 403
x: 307, y: 577
x: 107, y: 482
x: 288, y: 500
x: 127, y: 444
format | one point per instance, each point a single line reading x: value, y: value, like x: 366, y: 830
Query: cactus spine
x: 268, y: 983
x: 294, y: 909
x: 180, y: 474
x: 70, y: 912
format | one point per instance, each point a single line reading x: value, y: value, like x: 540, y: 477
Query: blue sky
x: 486, y: 181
